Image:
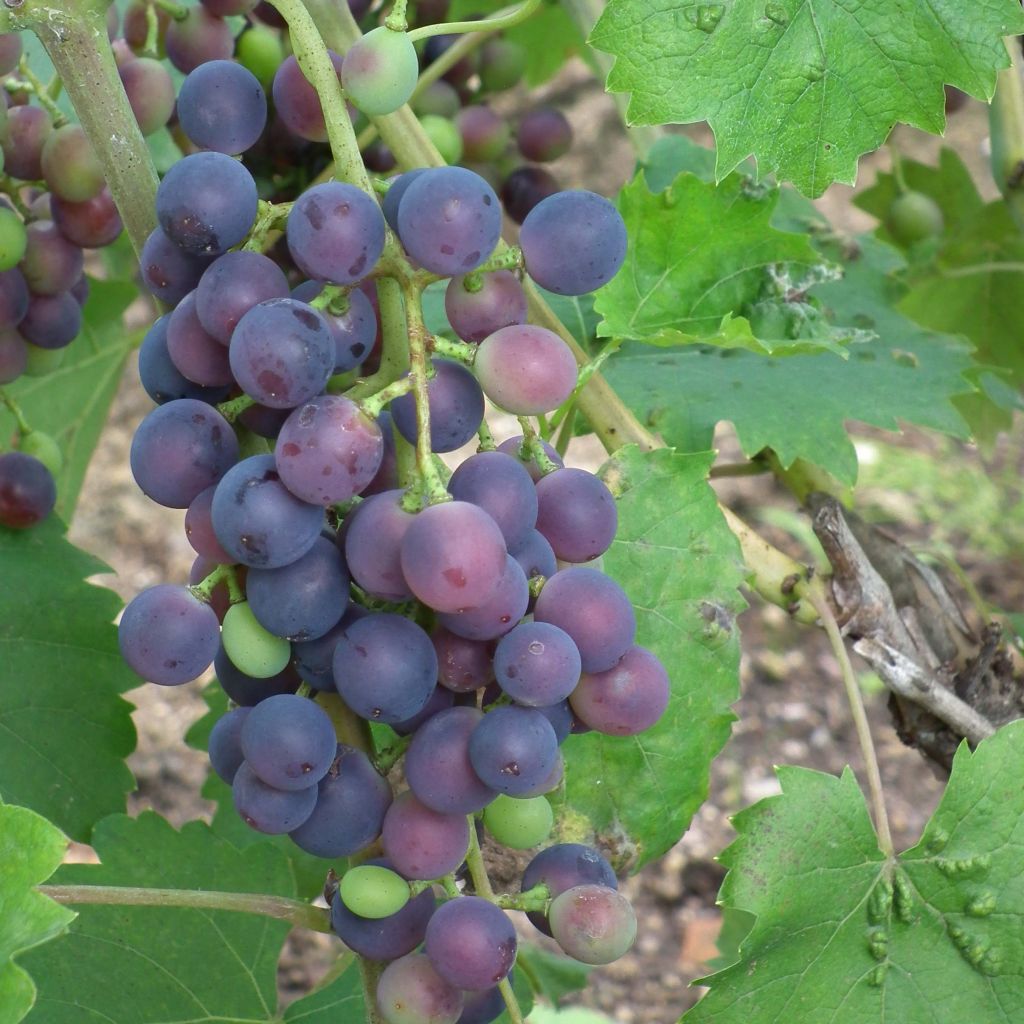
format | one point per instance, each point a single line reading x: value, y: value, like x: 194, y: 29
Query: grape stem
x: 270, y: 218
x: 486, y: 438
x: 536, y: 899
x: 496, y: 24
x: 295, y: 912
x: 151, y: 47
x: 396, y: 20
x: 34, y: 85
x: 460, y: 351
x: 531, y: 448
x: 232, y: 409
x: 375, y: 404
x: 221, y: 574
x: 179, y: 12
x: 16, y: 411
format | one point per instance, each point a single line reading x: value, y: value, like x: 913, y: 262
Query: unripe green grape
x: 373, y: 892
x: 444, y: 135
x: 42, y: 361
x: 440, y: 98
x: 502, y: 63
x: 261, y: 51
x: 379, y: 72
x: 519, y: 824
x: 913, y: 216
x: 252, y: 649
x: 70, y: 166
x: 13, y: 238
x: 44, y: 448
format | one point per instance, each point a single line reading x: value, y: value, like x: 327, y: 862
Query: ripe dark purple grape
x: 535, y: 556
x: 499, y: 302
x: 303, y: 600
x: 471, y: 943
x: 51, y: 264
x: 168, y: 636
x: 13, y: 355
x: 248, y: 690
x: 28, y: 128
x: 314, y: 659
x: 354, y: 330
x: 52, y: 321
x: 524, y: 188
x: 449, y: 220
x: 180, y: 449
x: 150, y: 91
x: 13, y: 297
x: 513, y: 750
x: 573, y: 242
x: 498, y: 614
x: 562, y: 867
x: 282, y: 353
x: 458, y: 73
x: 288, y: 741
x: 423, y: 843
x: 269, y: 810
x: 485, y: 134
x: 258, y: 520
x: 328, y: 450
x: 440, y: 699
x: 501, y: 486
x: 537, y: 664
x: 221, y: 106
x: 198, y: 356
x: 456, y: 408
x: 544, y: 134
x: 437, y: 765
x: 385, y: 667
x: 231, y: 286
x: 297, y: 103
x: 225, y: 744
x: 463, y: 665
x: 483, y: 1007
x: 594, y: 610
x: 162, y: 380
x: 335, y: 233
x: 625, y: 699
x: 378, y: 158
x: 593, y: 924
x: 526, y: 369
x: 410, y: 991
x: 92, y: 224
x: 199, y: 528
x: 373, y: 546
x: 198, y: 38
x: 351, y: 802
x: 27, y: 490
x: 453, y: 556
x: 206, y: 203
x: 167, y: 271
x: 393, y: 196
x: 514, y: 446
x: 576, y: 513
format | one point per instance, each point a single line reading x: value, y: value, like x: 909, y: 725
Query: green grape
x: 373, y: 892
x: 502, y: 63
x: 45, y: 449
x: 444, y: 135
x: 260, y: 51
x: 252, y: 649
x: 42, y: 361
x: 913, y: 216
x: 379, y: 72
x: 70, y: 166
x: 12, y: 239
x: 519, y: 824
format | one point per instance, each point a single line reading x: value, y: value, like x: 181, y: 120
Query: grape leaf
x: 806, y: 86
x: 73, y: 401
x: 552, y: 975
x: 141, y: 965
x: 64, y: 729
x: 798, y: 406
x: 337, y: 1002
x: 31, y: 849
x: 845, y: 936
x: 681, y: 567
x: 703, y: 264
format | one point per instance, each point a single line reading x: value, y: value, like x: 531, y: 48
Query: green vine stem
x: 41, y: 93
x: 234, y: 407
x: 15, y: 410
x: 495, y: 24
x: 295, y: 912
x: 1006, y: 123
x: 370, y: 972
x: 74, y: 34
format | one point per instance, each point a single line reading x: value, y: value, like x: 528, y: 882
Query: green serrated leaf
x: 142, y: 965
x: 681, y: 567
x: 798, y: 406
x: 64, y: 729
x: 843, y: 937
x: 806, y: 87
x: 703, y: 263
x: 338, y: 1002
x: 31, y: 849
x: 72, y: 403
x: 552, y: 976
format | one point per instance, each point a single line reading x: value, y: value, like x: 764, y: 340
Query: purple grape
x: 440, y: 699
x: 386, y: 478
x: 13, y: 355
x: 288, y: 741
x: 453, y: 556
x: 423, y: 843
x: 499, y: 613
x: 282, y: 353
x: 577, y: 514
x: 52, y: 321
x: 221, y: 106
x: 91, y: 224
x: 561, y: 718
x: 351, y: 802
x: 563, y: 867
x: 150, y: 91
x: 514, y: 447
x: 537, y: 664
x: 524, y: 188
x: 198, y: 38
x: 373, y: 546
x: 625, y: 699
x: 162, y: 380
x: 463, y: 665
x: 10, y: 52
x: 500, y: 485
x: 593, y: 924
x: 13, y: 297
x: 393, y: 196
x: 526, y: 369
x: 27, y: 490
x: 303, y: 600
x: 231, y: 286
x: 167, y: 271
x: 535, y: 556
x: 206, y: 203
x: 410, y: 991
x: 483, y: 1007
x: 268, y: 810
x: 264, y: 421
x: 544, y: 134
x: 513, y: 749
x: 314, y: 659
x: 437, y: 765
x: 385, y: 667
x: 247, y: 690
x: 296, y: 101
x: 28, y: 128
x: 51, y: 264
x: 456, y: 408
x: 471, y: 943
x: 485, y: 134
x: 335, y: 233
x: 378, y: 158
x: 225, y: 744
x: 573, y: 242
x: 449, y: 220
x: 168, y: 636
x: 199, y: 528
x: 354, y: 330
x: 499, y: 302
x: 198, y: 356
x: 458, y: 73
x: 258, y: 520
x: 180, y: 449
x: 81, y: 290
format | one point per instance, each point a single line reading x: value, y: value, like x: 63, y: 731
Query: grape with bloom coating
x: 410, y: 991
x: 576, y: 513
x: 266, y: 809
x: 289, y: 742
x: 526, y: 369
x: 421, y: 842
x: 221, y: 106
x: 625, y: 699
x: 537, y: 664
x: 456, y: 408
x: 27, y: 490
x: 379, y: 71
x: 593, y: 924
x: 499, y: 302
x: 471, y: 943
